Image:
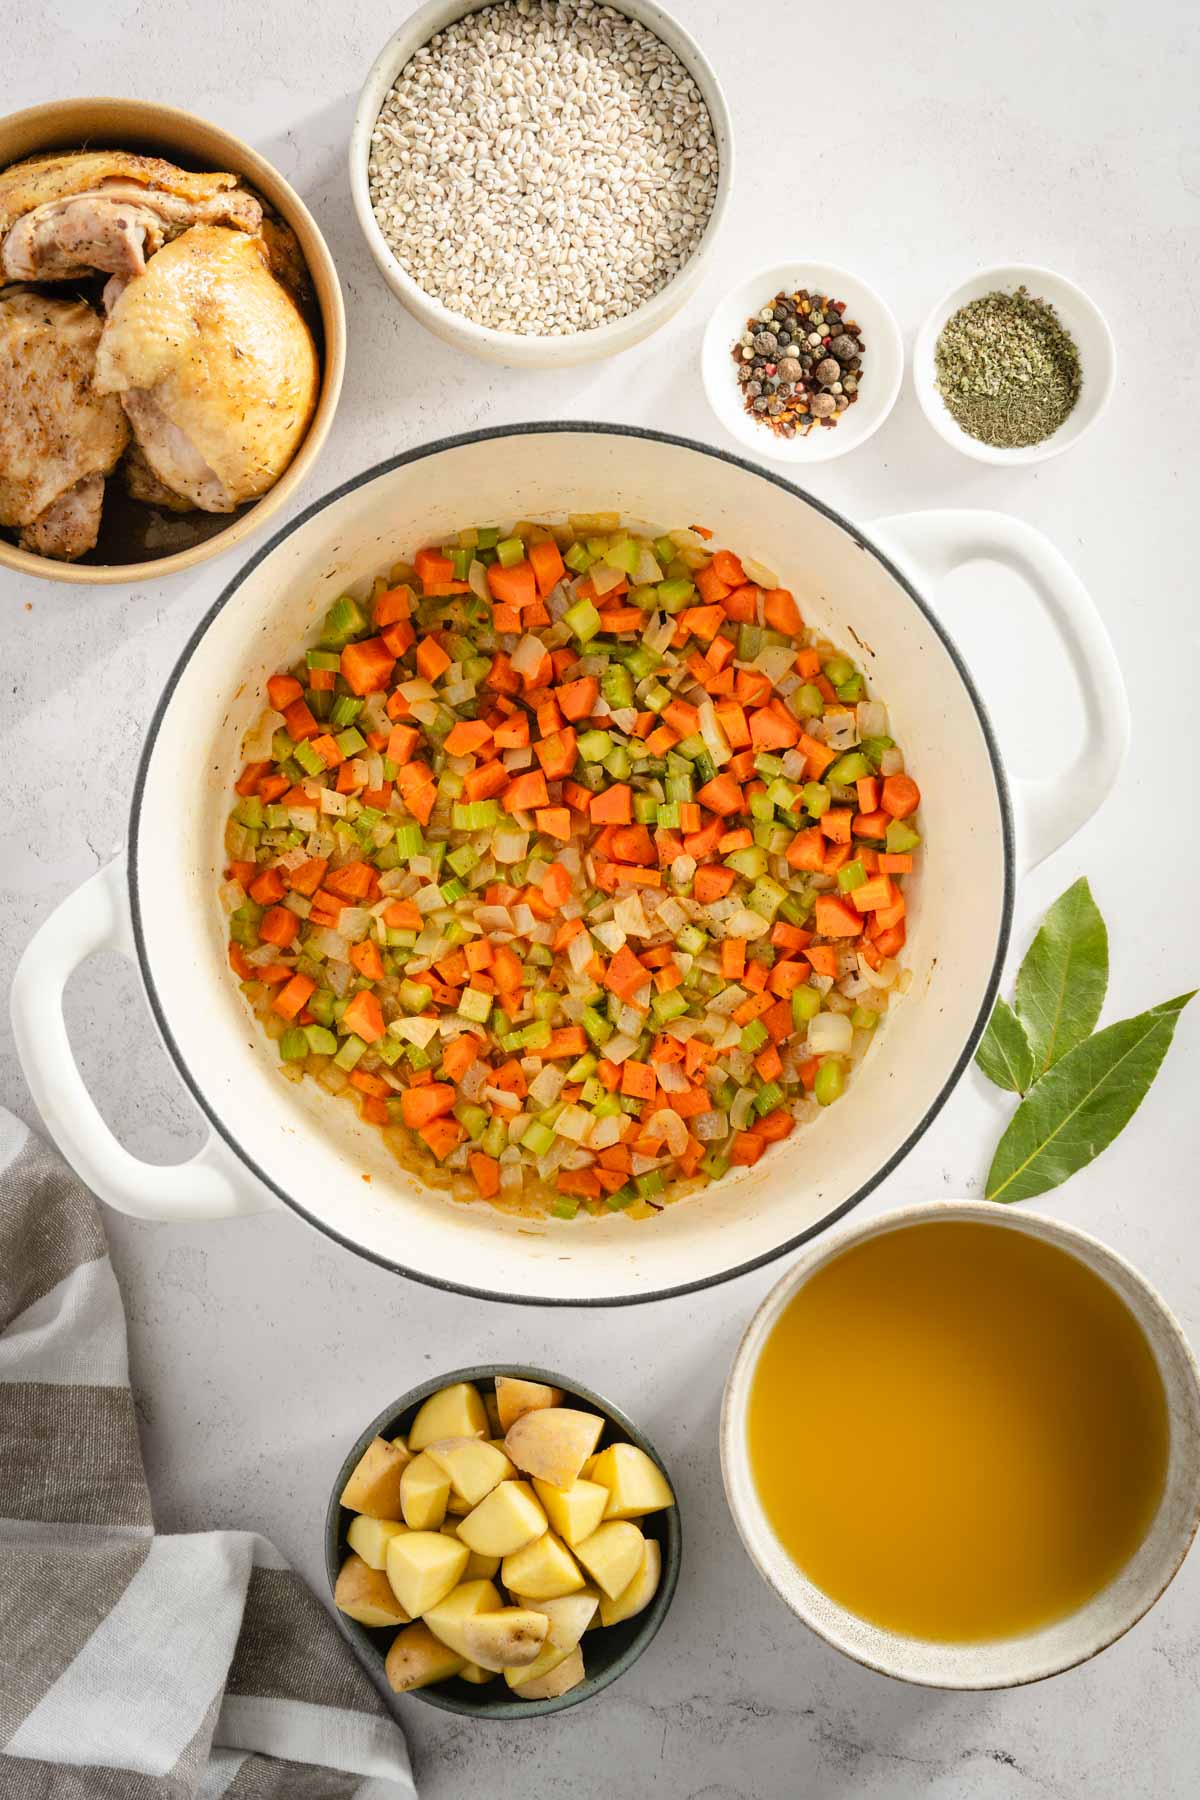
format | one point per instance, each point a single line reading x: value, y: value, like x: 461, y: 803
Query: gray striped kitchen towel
x: 135, y: 1666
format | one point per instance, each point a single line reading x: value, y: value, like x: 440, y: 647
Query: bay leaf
x: 1061, y: 983
x: 1080, y: 1105
x: 1004, y: 1052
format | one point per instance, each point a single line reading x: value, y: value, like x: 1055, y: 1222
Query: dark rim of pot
x: 540, y: 428
x: 456, y: 1696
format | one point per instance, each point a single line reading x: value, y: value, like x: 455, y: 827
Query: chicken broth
x: 958, y: 1432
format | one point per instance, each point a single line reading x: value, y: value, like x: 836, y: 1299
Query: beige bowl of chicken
x: 137, y: 437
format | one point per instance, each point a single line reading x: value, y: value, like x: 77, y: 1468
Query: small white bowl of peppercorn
x: 802, y: 362
x: 1014, y: 365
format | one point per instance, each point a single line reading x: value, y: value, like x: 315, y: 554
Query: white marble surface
x: 914, y: 144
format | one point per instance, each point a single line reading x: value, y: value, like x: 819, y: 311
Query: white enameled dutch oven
x: 273, y: 1140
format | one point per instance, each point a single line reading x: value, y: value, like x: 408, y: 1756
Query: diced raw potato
x: 456, y: 1506
x: 455, y: 1411
x: 448, y: 1619
x: 479, y: 1568
x: 475, y: 1675
x: 641, y: 1589
x: 548, y: 1658
x: 560, y: 1680
x: 515, y: 1396
x: 553, y: 1442
x: 474, y: 1466
x: 371, y: 1537
x: 588, y: 1471
x: 492, y: 1407
x: 506, y: 1520
x: 543, y: 1570
x: 374, y: 1485
x: 363, y: 1593
x: 573, y: 1512
x: 417, y: 1657
x: 613, y: 1555
x: 424, y: 1491
x: 635, y: 1483
x: 422, y: 1567
x: 509, y: 1639
x: 569, y: 1616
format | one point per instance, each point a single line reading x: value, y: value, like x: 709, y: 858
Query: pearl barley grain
x: 543, y: 166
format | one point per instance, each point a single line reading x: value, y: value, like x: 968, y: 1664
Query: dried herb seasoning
x: 1008, y: 369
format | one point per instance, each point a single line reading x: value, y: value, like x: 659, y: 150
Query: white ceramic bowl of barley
x: 522, y: 349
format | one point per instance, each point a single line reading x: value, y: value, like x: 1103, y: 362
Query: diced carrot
x: 278, y: 926
x: 721, y: 795
x: 441, y: 1136
x: 711, y: 588
x: 282, y: 690
x: 836, y: 857
x: 682, y: 717
x: 418, y: 1105
x: 771, y: 730
x: 776, y: 1125
x: 399, y: 637
x: 867, y: 787
x: 781, y: 612
x: 879, y: 892
x: 267, y: 888
x: 393, y: 606
x: 507, y: 972
x: 501, y: 677
x: 432, y: 660
x: 703, y: 622
x: 557, y: 754
x: 300, y: 722
x: 364, y: 1017
x: 779, y: 1022
x: 633, y: 844
x: 242, y: 967
x: 786, y: 976
x: 756, y: 976
x: 892, y: 862
x: 752, y: 1007
x: 367, y: 666
x: 835, y: 918
x: 752, y: 687
x: 733, y: 722
x: 293, y: 997
x: 352, y: 881
x: 403, y: 915
x: 901, y: 796
x: 458, y: 1056
x: 891, y: 941
x: 835, y: 824
x: 366, y: 959
x: 637, y: 1078
x: 485, y: 782
x: 739, y: 839
x: 871, y: 825
x: 513, y: 734
x: 526, y: 792
x: 397, y: 706
x: 819, y: 756
x: 622, y: 618
x: 625, y: 974
x: 728, y: 568
x: 746, y: 1148
x: 515, y: 586
x: 712, y: 882
x: 434, y: 588
x: 733, y: 958
x: 577, y: 698
x: 431, y: 565
x: 467, y: 738
x: 569, y: 1040
x: 742, y: 604
x: 557, y: 884
x: 366, y: 1083
x: 322, y: 681
x: 486, y: 1173
x: 661, y: 739
x: 613, y: 805
x: 555, y: 822
x: 668, y: 977
x: 548, y: 565
x: 402, y: 742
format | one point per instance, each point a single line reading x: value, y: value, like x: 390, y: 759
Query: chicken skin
x: 61, y: 218
x: 59, y: 434
x: 214, y: 365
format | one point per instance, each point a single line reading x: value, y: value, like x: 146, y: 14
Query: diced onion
x: 891, y: 762
x: 712, y: 731
x: 604, y: 577
x: 872, y: 718
x: 775, y: 661
x: 580, y: 951
x: 830, y: 1034
x: 747, y: 924
x: 528, y: 654
x: 759, y: 573
x: 510, y: 847
x: 881, y: 978
x: 647, y: 569
x: 545, y: 1087
x: 667, y: 1125
x: 414, y: 1031
x: 477, y: 580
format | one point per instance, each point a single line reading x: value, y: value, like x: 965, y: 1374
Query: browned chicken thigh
x: 214, y: 365
x: 64, y: 217
x: 59, y: 435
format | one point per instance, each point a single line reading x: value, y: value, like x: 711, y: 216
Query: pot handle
x: 931, y: 545
x: 212, y: 1185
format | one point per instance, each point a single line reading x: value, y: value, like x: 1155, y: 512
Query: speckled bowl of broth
x: 962, y: 1443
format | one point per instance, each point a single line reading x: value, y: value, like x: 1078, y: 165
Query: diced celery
x: 715, y: 1166
x: 749, y: 642
x: 848, y: 769
x: 618, y: 763
x: 487, y: 536
x: 762, y: 808
x: 389, y: 1050
x: 864, y: 1018
x: 901, y: 837
x: 673, y: 596
x: 584, y: 1068
x: 657, y: 698
x: 754, y: 1037
x: 650, y: 1183
x: 808, y: 702
x: 817, y: 799
x: 545, y: 1004
x: 607, y: 1106
x: 691, y: 939
x: 851, y: 690
x: 851, y: 875
x: 616, y: 684
x: 623, y: 1197
x: 578, y: 558
x: 874, y: 747
x: 768, y: 766
x: 473, y: 1119
x: 249, y: 812
x: 831, y: 1079
x: 645, y: 809
x: 623, y: 554
x: 320, y: 1005
x: 582, y: 620
x: 350, y: 741
x: 474, y: 1004
x: 751, y: 862
x: 667, y: 815
x: 293, y: 1045
x: 494, y: 1138
x: 540, y: 955
x: 768, y: 1097
x: 806, y: 1004
x: 352, y: 1049
x: 452, y: 891
x: 766, y: 897
x: 536, y: 1035
x: 509, y: 552
x: 668, y: 1006
x: 564, y: 1207
x: 463, y: 860
x: 344, y: 620
x: 796, y: 908
x: 837, y: 669
x: 416, y: 1057
x: 642, y: 661
x: 596, y: 1026
x: 594, y: 746
x: 414, y: 996
x: 322, y: 659
x: 321, y: 1042
x: 537, y: 1137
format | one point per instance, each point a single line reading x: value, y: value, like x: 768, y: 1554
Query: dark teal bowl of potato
x: 607, y: 1651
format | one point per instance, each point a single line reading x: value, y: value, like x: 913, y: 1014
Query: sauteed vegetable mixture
x: 575, y: 860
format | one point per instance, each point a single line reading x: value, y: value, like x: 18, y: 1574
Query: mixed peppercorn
x: 799, y: 362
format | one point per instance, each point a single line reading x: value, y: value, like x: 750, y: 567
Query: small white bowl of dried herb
x: 802, y: 362
x: 1014, y: 365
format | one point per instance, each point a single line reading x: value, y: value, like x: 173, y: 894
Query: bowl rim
x: 488, y: 340
x: 653, y: 1616
x: 538, y: 428
x: 937, y: 415
x: 798, y: 452
x: 172, y: 126
x: 735, y: 1398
